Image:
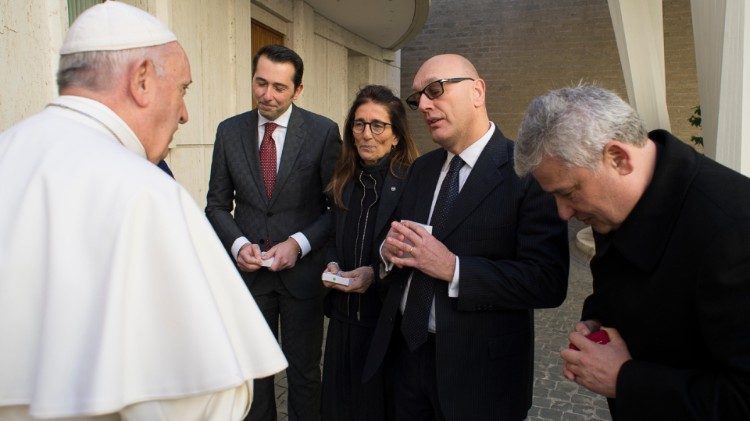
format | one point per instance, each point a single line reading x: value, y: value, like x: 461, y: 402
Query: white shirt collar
x: 282, y: 120
x: 471, y: 154
x: 107, y: 120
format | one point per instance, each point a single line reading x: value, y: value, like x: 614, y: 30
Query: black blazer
x: 311, y: 147
x: 513, y: 256
x: 390, y: 194
x: 674, y: 279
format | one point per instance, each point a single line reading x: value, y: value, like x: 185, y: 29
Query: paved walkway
x: 555, y: 398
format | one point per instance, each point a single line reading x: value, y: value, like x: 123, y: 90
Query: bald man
x: 117, y: 300
x: 457, y: 321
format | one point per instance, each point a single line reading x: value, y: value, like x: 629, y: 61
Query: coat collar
x: 293, y: 142
x: 389, y: 197
x: 102, y: 117
x: 249, y: 140
x: 655, y: 214
x: 484, y: 177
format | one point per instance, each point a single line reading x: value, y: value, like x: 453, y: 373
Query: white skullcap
x: 112, y: 26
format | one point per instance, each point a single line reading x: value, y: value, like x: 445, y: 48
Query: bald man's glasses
x: 432, y: 90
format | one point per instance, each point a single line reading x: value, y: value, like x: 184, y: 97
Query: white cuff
x: 453, y: 285
x: 237, y: 245
x: 385, y: 266
x: 304, y: 245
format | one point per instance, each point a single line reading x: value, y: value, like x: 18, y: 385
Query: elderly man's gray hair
x: 574, y: 124
x: 100, y: 70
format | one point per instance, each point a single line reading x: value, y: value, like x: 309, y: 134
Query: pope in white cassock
x: 117, y: 300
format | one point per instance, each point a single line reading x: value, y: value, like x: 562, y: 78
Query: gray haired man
x: 672, y: 264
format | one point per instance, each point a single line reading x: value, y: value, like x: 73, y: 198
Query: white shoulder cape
x: 114, y: 288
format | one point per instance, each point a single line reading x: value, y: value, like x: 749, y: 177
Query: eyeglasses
x: 432, y: 90
x: 376, y: 126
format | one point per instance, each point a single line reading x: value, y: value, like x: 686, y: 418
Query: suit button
x: 269, y: 214
x: 261, y: 241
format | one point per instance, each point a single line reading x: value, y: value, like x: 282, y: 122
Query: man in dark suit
x: 456, y: 329
x: 281, y: 221
x: 672, y: 264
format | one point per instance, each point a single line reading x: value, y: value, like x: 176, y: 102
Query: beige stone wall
x: 216, y: 37
x: 524, y: 48
x: 31, y: 33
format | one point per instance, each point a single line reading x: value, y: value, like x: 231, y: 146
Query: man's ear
x: 478, y: 90
x: 298, y: 91
x: 618, y: 156
x: 141, y: 81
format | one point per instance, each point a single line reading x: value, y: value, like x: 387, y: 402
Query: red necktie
x: 268, y: 158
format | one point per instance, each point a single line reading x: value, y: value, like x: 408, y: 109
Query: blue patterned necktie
x: 422, y: 288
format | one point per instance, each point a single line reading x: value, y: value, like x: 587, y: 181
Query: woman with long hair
x: 366, y: 186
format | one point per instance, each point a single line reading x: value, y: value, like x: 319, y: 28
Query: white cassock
x: 116, y: 296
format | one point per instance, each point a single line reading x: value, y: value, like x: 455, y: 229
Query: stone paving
x: 555, y: 398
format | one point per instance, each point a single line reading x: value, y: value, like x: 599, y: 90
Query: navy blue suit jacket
x: 513, y: 254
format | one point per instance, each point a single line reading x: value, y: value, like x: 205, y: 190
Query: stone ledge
x: 585, y: 241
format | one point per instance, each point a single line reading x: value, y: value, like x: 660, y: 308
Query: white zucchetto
x: 114, y: 26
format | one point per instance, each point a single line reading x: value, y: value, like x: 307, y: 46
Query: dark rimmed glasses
x: 376, y: 126
x: 432, y: 90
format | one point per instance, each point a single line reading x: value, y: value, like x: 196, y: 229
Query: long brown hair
x: 403, y: 154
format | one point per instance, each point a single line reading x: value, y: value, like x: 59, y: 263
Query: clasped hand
x: 408, y: 244
x: 595, y: 366
x: 361, y: 278
x: 250, y: 258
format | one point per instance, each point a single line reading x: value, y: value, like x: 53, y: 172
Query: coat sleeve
x: 536, y: 276
x: 220, y: 196
x: 719, y: 387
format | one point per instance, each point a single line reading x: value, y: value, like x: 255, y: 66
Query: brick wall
x: 522, y: 48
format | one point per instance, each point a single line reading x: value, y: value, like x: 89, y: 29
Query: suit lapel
x: 341, y: 214
x: 428, y: 180
x: 249, y: 139
x: 484, y: 177
x: 295, y: 137
x: 390, y: 194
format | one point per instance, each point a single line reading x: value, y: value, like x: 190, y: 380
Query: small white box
x: 330, y: 277
x: 428, y: 228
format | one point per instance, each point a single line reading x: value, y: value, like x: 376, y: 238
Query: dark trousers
x: 301, y: 340
x: 414, y: 380
x: 345, y: 397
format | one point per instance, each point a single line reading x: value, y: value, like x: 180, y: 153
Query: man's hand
x: 284, y: 254
x: 389, y: 250
x: 361, y: 277
x: 417, y: 248
x: 248, y: 258
x: 595, y: 366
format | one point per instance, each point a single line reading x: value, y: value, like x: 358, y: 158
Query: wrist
x: 296, y: 246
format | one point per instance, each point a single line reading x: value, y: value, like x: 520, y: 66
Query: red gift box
x: 599, y: 336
